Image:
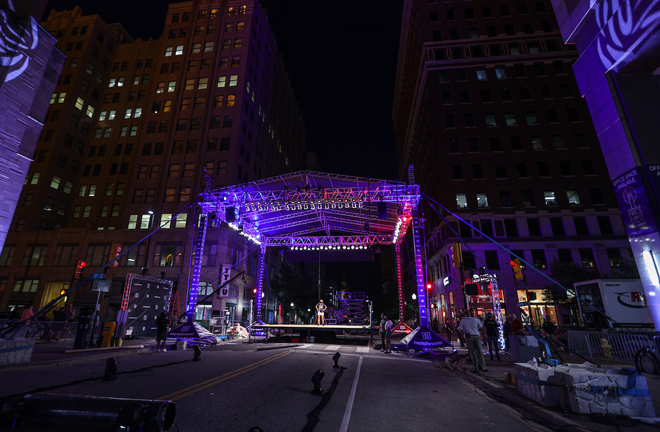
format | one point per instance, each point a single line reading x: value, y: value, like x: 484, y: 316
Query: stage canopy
x: 309, y: 210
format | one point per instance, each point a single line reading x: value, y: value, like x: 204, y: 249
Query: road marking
x: 180, y: 394
x: 333, y: 348
x: 363, y: 349
x: 351, y: 399
x: 304, y: 346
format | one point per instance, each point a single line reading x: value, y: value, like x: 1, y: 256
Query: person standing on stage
x: 320, y: 311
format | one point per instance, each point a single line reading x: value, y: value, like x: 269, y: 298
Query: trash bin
x: 108, y: 333
x: 84, y: 324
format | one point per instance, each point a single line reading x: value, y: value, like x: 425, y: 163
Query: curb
x: 546, y: 415
x: 69, y: 361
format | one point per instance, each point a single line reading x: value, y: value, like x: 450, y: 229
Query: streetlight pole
x: 151, y: 224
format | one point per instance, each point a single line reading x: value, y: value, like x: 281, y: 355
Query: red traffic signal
x: 63, y: 291
x: 517, y: 270
x: 254, y: 291
x: 429, y: 286
x: 79, y: 269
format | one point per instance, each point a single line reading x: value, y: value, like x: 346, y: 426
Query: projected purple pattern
x: 14, y: 44
x: 628, y: 21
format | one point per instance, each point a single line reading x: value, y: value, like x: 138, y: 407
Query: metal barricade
x: 620, y: 347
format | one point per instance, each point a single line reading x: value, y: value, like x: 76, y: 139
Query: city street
x: 237, y: 386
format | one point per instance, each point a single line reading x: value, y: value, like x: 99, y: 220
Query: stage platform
x: 308, y: 327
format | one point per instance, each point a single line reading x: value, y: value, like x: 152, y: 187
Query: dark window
x: 605, y: 225
x: 505, y: 199
x: 557, y: 225
x: 534, y: 226
x: 449, y: 121
x: 565, y: 168
x: 544, y: 168
x: 453, y: 145
x: 614, y: 256
x: 581, y: 226
x: 539, y: 259
x: 565, y: 256
x: 477, y: 171
x: 458, y: 172
x: 485, y: 95
x: 588, y: 167
x: 492, y: 260
x: 495, y: 144
x: 521, y: 169
x: 527, y: 198
x: 516, y: 143
x: 487, y: 227
x: 587, y: 258
x: 511, y: 227
x: 500, y: 170
x: 465, y: 230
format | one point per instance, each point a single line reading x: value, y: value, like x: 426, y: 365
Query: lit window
x: 53, y: 98
x: 222, y: 81
x: 203, y: 83
x: 573, y: 197
x: 242, y: 9
x: 238, y: 43
x: 67, y: 188
x: 128, y: 113
x: 240, y: 26
x: 160, y: 88
x: 549, y: 197
x: 132, y: 221
x: 482, y: 199
x: 231, y: 100
x: 190, y: 84
x: 168, y: 106
x: 144, y: 221
x: 136, y: 80
x: 86, y: 211
x: 92, y: 190
x: 181, y: 220
x: 500, y: 73
x: 90, y: 111
x: 233, y: 80
x: 112, y: 82
x: 134, y: 130
x: 61, y: 98
x: 235, y: 61
x: 461, y: 200
x: 208, y: 46
x: 165, y: 220
x: 35, y: 178
x: 138, y: 113
x: 481, y: 74
x: 179, y: 50
x: 185, y: 194
x: 112, y: 114
x: 168, y: 51
x: 120, y: 82
x: 55, y: 184
x: 170, y: 193
x: 171, y: 86
x: 196, y: 47
x: 79, y: 103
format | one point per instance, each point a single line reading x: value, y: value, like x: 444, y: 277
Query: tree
x: 566, y: 274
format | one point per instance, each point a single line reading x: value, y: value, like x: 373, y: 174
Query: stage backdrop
x: 144, y: 299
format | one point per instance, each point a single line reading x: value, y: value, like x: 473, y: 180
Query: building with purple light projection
x: 136, y: 130
x: 618, y: 74
x: 29, y: 66
x: 488, y: 111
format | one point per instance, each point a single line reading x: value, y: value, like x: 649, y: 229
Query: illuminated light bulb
x: 651, y: 268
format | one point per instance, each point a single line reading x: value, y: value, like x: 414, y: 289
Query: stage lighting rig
x: 316, y: 379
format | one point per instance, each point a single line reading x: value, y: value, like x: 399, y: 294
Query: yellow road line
x: 180, y: 394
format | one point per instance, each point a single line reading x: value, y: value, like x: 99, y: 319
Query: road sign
x: 98, y: 276
x: 101, y: 285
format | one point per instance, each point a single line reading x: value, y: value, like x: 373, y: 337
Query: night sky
x: 341, y: 59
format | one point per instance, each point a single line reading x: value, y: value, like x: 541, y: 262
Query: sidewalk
x: 494, y: 382
x: 48, y: 354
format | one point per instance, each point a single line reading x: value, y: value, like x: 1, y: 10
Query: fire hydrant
x: 607, y: 348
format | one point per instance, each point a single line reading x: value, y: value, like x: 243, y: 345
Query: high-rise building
x: 28, y: 71
x: 135, y: 132
x: 617, y: 74
x: 488, y: 111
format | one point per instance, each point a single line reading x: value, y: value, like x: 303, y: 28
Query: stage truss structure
x: 309, y: 210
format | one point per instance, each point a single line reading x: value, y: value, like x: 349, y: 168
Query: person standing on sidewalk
x: 388, y: 335
x: 448, y: 329
x: 492, y: 335
x: 382, y: 332
x: 161, y: 331
x: 470, y: 326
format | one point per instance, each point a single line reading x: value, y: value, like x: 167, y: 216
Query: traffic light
x: 456, y: 255
x: 63, y: 291
x: 517, y: 270
x: 79, y: 269
x: 429, y: 286
x: 254, y: 293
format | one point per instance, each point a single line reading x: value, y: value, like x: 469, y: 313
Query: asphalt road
x: 235, y: 387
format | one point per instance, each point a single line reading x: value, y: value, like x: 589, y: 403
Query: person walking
x: 69, y: 313
x: 388, y: 335
x: 448, y: 329
x: 27, y: 314
x: 320, y: 312
x: 470, y: 327
x: 492, y: 335
x: 382, y: 332
x: 161, y: 331
x: 548, y: 326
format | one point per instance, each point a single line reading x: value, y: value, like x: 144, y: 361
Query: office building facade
x: 488, y: 111
x: 135, y: 132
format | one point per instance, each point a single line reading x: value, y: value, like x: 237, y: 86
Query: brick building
x: 132, y: 127
x: 488, y: 110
